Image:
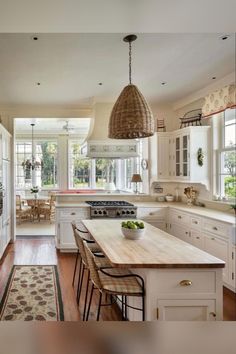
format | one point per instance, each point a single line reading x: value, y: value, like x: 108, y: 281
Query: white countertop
x: 205, y: 212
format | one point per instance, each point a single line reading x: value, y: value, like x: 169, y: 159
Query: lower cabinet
x: 219, y: 248
x: 186, y: 310
x: 64, y: 233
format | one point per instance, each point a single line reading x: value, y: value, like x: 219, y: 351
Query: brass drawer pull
x: 215, y: 228
x: 198, y: 238
x: 195, y: 222
x: 185, y: 283
x: 73, y: 214
x: 179, y: 217
x: 213, y: 238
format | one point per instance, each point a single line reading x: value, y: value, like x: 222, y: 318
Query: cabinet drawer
x: 73, y: 214
x: 195, y: 222
x: 151, y: 212
x: 175, y: 282
x: 180, y: 217
x: 216, y: 228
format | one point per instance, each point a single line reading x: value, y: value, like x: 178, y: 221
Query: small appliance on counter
x: 170, y: 198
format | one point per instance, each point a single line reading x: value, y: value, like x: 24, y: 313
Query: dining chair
x: 23, y: 212
x: 116, y: 282
x: 47, y: 209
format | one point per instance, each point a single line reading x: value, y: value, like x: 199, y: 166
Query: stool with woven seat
x: 100, y: 262
x: 93, y: 246
x: 113, y: 281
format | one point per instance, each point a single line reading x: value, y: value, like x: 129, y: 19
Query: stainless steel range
x: 112, y: 209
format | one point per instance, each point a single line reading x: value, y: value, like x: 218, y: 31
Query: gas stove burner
x: 112, y: 209
x: 109, y: 203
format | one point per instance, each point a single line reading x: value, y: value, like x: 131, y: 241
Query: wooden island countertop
x: 156, y: 249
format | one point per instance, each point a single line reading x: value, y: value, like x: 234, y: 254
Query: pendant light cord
x: 130, y: 63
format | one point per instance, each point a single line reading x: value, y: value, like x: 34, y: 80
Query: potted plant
x: 35, y: 191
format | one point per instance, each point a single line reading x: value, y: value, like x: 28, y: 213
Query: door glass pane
x: 230, y: 132
x: 185, y: 156
x: 185, y: 142
x: 185, y: 169
x: 177, y: 156
x: 177, y: 143
x: 228, y: 162
x: 177, y: 169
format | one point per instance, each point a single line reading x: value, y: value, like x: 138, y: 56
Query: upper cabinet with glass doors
x: 178, y: 155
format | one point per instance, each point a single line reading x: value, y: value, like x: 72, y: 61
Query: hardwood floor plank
x: 38, y: 251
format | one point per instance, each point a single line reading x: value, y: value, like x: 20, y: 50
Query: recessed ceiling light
x: 38, y: 83
x: 224, y: 37
x: 213, y: 77
x: 163, y: 83
x: 100, y: 83
x: 34, y: 38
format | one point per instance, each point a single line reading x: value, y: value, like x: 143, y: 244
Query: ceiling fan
x: 69, y: 128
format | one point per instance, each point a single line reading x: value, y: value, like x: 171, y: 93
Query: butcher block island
x: 182, y: 283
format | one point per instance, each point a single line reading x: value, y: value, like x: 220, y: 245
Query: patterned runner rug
x: 32, y: 294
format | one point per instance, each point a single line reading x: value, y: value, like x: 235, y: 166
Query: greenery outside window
x: 44, y: 177
x: 101, y: 173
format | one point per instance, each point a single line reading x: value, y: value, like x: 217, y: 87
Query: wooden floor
x: 38, y: 251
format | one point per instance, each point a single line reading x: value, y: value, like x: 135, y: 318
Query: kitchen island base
x: 180, y: 295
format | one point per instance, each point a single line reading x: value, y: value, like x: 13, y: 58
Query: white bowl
x: 170, y: 198
x: 132, y: 234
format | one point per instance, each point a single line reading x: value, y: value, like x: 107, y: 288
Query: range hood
x: 109, y: 149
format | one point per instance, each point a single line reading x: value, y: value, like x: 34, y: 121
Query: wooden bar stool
x: 114, y: 281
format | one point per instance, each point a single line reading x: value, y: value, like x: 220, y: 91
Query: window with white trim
x: 45, y: 176
x: 104, y: 173
x: 227, y: 156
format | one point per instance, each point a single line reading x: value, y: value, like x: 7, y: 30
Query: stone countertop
x: 201, y: 211
x: 204, y: 212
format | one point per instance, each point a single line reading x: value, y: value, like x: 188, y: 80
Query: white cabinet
x: 177, y: 155
x: 163, y: 156
x: 187, y: 310
x: 211, y: 236
x: 219, y: 248
x: 153, y: 216
x: 5, y: 179
x: 64, y: 233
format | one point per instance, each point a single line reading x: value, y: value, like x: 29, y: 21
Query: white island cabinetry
x: 64, y: 233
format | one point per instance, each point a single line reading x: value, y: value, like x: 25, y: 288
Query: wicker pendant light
x: 131, y: 116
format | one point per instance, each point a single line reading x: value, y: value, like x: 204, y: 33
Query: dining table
x: 182, y: 282
x: 34, y: 203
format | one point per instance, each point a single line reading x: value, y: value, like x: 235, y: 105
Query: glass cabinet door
x: 185, y: 155
x: 177, y: 157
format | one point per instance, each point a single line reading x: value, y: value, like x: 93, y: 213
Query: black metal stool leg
x: 80, y: 285
x: 86, y: 295
x: 76, y: 261
x: 143, y: 307
x: 99, y: 305
x: 122, y: 307
x: 125, y: 308
x: 90, y: 300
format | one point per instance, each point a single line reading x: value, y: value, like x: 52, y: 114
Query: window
x: 104, y: 173
x: 44, y: 176
x: 79, y: 167
x: 227, y: 156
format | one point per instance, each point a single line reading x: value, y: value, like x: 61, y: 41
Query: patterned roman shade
x: 219, y: 100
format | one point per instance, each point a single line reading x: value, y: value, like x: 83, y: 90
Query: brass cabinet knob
x: 73, y: 214
x: 195, y: 222
x: 179, y: 217
x: 212, y: 314
x: 185, y: 282
x: 215, y: 228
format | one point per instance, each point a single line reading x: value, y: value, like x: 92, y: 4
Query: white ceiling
x: 70, y: 66
x: 53, y: 126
